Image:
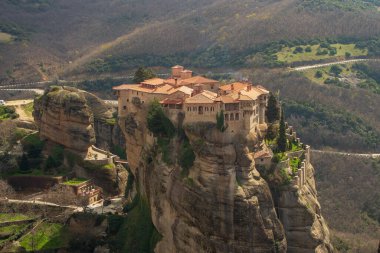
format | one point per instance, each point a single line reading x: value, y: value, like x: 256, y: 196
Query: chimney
x: 186, y: 74
x: 175, y: 81
x: 176, y: 71
x: 249, y: 87
x: 232, y: 87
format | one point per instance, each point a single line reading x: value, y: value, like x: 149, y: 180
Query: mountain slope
x: 64, y: 35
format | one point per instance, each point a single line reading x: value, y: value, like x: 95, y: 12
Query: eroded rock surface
x: 66, y: 116
x: 223, y: 204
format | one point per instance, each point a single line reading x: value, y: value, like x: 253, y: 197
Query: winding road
x: 346, y: 153
x: 320, y: 65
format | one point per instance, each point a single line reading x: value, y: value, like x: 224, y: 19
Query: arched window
x: 237, y: 116
x: 226, y: 117
x: 231, y: 116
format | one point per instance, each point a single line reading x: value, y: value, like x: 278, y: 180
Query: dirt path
x: 19, y: 110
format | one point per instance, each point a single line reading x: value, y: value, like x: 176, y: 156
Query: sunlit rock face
x: 222, y: 204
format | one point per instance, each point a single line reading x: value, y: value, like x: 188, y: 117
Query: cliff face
x: 222, y: 204
x: 66, y: 116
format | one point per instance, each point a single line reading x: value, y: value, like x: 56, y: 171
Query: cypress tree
x: 273, y: 110
x: 281, y: 141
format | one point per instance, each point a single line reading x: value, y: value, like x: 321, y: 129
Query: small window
x: 127, y: 99
x: 262, y: 159
x: 124, y: 107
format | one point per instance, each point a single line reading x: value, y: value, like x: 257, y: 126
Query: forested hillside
x: 51, y: 38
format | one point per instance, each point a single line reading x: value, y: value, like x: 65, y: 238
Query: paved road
x: 37, y: 91
x: 44, y: 203
x: 330, y: 63
x: 346, y: 154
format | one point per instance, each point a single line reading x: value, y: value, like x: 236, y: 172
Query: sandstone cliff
x: 222, y: 204
x: 75, y: 119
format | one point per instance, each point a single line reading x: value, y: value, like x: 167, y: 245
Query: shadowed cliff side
x: 221, y: 203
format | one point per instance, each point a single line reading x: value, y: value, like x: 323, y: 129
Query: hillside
x: 347, y: 190
x: 50, y: 38
x: 342, y: 118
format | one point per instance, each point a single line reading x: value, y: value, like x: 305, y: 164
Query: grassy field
x: 7, y: 217
x: 311, y: 73
x: 47, y: 236
x: 28, y: 109
x: 287, y: 54
x: 75, y: 181
x: 5, y: 37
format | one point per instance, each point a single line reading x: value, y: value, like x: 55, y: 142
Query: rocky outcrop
x: 108, y: 134
x: 300, y: 213
x: 66, y: 116
x: 222, y: 204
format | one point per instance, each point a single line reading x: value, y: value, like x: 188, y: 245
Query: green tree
x: 24, y: 163
x: 273, y: 110
x: 335, y: 70
x: 220, y: 121
x: 308, y: 49
x: 142, y: 74
x: 281, y: 141
x: 157, y: 121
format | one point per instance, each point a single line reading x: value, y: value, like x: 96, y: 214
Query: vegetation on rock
x: 142, y: 74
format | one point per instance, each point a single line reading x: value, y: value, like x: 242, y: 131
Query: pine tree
x: 273, y: 110
x: 281, y: 141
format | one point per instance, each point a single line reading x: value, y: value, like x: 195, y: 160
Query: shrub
x: 308, y: 49
x: 332, y: 51
x: 318, y: 74
x: 347, y: 54
x: 322, y: 52
x: 33, y: 145
x: 335, y: 70
x: 298, y: 50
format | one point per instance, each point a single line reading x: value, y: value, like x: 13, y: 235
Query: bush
x: 332, y: 51
x: 335, y: 70
x: 318, y: 74
x: 308, y: 49
x: 347, y: 54
x: 298, y: 50
x: 33, y: 145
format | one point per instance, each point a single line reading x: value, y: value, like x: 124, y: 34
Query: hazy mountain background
x: 70, y: 39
